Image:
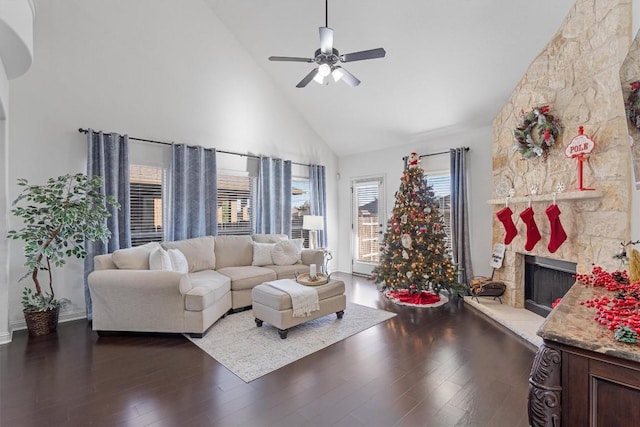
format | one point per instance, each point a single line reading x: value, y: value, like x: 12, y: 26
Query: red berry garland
x: 620, y: 313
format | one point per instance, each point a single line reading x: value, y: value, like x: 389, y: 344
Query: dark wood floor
x: 444, y: 366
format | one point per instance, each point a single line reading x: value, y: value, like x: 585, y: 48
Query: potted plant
x: 59, y: 217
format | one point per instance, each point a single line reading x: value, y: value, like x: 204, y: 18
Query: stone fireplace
x: 578, y: 76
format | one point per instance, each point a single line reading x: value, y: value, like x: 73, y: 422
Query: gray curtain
x: 273, y: 210
x: 460, y: 214
x: 318, y: 199
x: 108, y: 157
x: 193, y: 200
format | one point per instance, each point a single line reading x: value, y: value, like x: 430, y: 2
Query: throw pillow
x: 159, y: 260
x: 179, y: 262
x: 262, y: 254
x: 136, y: 258
x: 299, y: 244
x: 285, y: 252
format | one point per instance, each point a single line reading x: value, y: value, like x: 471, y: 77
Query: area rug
x: 251, y: 352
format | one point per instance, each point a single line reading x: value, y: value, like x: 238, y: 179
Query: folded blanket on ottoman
x: 304, y: 299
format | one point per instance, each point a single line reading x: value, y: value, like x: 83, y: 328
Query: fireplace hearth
x: 546, y: 280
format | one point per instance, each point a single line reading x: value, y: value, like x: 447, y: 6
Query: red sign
x: 580, y: 145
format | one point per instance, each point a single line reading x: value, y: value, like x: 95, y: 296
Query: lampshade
x: 313, y: 222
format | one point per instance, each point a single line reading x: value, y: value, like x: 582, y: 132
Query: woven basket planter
x: 41, y: 322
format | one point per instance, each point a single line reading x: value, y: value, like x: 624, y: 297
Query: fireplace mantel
x: 569, y: 195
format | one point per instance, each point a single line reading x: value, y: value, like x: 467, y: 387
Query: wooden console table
x: 581, y: 376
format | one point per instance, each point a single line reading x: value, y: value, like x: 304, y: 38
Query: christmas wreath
x: 633, y: 104
x: 537, y: 121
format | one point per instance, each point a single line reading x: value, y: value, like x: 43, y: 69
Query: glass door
x: 367, y: 223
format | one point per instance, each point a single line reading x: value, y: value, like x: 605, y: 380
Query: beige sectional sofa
x: 138, y: 289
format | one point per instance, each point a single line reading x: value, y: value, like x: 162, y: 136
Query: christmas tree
x: 414, y: 256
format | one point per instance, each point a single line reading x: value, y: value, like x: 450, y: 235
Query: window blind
x: 236, y: 199
x: 146, y: 189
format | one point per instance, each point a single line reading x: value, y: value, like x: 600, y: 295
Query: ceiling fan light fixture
x: 319, y: 79
x: 337, y: 74
x: 324, y: 70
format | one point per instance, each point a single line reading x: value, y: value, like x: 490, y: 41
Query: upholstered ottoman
x: 273, y: 306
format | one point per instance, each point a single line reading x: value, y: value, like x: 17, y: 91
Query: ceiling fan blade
x: 346, y: 77
x: 289, y: 59
x: 326, y: 40
x: 308, y: 78
x: 364, y: 54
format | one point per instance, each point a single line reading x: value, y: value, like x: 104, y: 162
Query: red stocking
x: 558, y: 236
x: 504, y: 215
x: 533, y: 235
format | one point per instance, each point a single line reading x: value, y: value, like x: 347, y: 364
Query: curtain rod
x: 434, y: 154
x: 253, y: 156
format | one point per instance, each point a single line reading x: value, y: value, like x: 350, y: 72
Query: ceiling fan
x: 327, y: 58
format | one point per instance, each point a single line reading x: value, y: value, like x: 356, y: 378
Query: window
x: 236, y: 199
x: 441, y: 184
x: 300, y: 206
x: 146, y: 188
x: 366, y: 195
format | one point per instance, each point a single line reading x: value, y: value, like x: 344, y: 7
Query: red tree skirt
x: 421, y: 299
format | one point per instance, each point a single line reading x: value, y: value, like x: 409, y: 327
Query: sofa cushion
x: 288, y: 271
x: 233, y: 251
x: 136, y: 258
x: 159, y: 260
x: 285, y: 252
x: 247, y: 277
x: 208, y: 286
x: 262, y: 253
x: 269, y: 238
x: 199, y: 252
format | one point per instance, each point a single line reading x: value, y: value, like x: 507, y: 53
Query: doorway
x: 367, y: 220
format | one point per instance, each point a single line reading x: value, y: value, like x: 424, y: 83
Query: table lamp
x: 313, y: 223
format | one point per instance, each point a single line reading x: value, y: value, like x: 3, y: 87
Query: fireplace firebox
x: 546, y: 280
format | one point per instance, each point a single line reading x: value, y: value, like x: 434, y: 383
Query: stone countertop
x: 572, y: 324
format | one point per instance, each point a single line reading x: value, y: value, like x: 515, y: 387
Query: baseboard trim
x: 5, y: 338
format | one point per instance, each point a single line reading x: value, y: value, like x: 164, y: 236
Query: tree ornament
x: 547, y: 128
x: 414, y: 159
x: 406, y: 240
x: 405, y: 255
x: 403, y: 218
x: 409, y: 274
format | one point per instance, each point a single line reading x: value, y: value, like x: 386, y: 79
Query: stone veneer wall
x: 578, y: 75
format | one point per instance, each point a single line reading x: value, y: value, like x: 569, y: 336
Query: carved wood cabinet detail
x: 571, y: 386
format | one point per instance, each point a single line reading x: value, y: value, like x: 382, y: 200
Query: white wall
x: 389, y: 163
x: 155, y: 69
x: 16, y: 54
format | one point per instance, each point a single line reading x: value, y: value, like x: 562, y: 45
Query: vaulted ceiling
x: 449, y: 65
